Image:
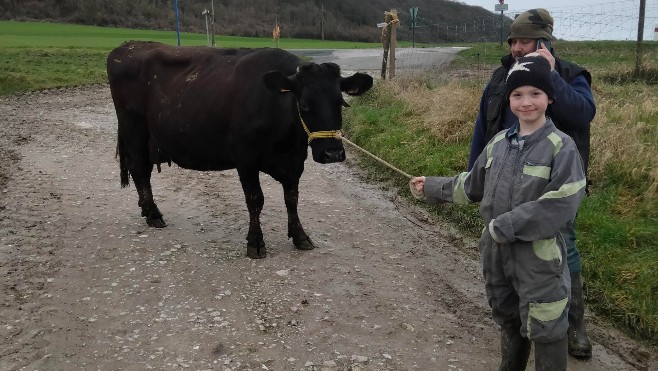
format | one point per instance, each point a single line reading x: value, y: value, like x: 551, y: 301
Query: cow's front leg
x: 149, y: 208
x: 295, y: 230
x: 255, y: 200
x: 142, y: 178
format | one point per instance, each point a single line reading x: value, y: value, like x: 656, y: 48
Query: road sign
x: 413, y: 12
x: 501, y: 7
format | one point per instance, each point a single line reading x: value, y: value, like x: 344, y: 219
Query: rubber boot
x: 579, y: 344
x: 514, y: 348
x: 551, y: 356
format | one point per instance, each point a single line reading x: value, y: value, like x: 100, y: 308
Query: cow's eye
x: 304, y: 106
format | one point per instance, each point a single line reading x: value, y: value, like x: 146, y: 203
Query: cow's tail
x: 123, y: 168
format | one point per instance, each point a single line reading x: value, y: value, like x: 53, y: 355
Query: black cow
x: 215, y: 109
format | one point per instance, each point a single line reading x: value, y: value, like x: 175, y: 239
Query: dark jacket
x: 572, y: 110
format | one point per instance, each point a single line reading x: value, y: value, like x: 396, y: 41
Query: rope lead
x: 376, y: 158
x: 336, y: 134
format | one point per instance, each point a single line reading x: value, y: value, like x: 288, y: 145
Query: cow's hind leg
x: 134, y: 157
x: 295, y: 230
x: 255, y: 200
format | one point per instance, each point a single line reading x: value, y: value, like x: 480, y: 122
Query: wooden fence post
x: 394, y: 43
x: 388, y: 40
x: 276, y: 33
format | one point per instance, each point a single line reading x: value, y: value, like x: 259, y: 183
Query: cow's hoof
x: 156, y: 222
x: 257, y: 252
x: 303, y: 244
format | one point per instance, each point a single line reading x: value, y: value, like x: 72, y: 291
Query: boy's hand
x: 417, y: 187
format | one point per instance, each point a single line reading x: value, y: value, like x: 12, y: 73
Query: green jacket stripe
x: 566, y: 190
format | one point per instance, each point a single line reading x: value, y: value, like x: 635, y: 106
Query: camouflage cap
x: 532, y: 24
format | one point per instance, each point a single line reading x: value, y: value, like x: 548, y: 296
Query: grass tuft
x: 645, y: 73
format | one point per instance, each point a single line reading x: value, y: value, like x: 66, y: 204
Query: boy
x: 529, y: 181
x: 572, y: 112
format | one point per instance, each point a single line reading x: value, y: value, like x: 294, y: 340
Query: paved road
x: 370, y: 60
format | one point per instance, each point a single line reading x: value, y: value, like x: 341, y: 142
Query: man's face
x: 520, y: 47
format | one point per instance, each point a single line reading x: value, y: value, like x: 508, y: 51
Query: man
x: 572, y: 111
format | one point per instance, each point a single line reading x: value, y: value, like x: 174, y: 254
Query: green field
x: 423, y: 123
x: 54, y: 35
x: 37, y: 55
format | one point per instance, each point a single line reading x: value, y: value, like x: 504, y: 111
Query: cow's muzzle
x: 327, y: 155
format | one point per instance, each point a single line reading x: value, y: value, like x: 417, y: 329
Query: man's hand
x: 546, y: 53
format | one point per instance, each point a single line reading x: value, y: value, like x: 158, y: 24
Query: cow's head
x: 317, y: 88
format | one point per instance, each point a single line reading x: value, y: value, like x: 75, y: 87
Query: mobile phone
x: 547, y: 44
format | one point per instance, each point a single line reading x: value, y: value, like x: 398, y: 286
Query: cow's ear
x: 277, y: 82
x: 356, y: 84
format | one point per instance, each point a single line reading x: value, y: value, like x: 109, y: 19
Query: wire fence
x: 434, y: 64
x: 614, y: 20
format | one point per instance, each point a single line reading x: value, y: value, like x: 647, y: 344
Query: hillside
x: 437, y: 21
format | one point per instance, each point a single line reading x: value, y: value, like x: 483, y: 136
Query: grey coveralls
x: 527, y: 190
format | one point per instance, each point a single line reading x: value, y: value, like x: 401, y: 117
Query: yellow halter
x: 327, y: 134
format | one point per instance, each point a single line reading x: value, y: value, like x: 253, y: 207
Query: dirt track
x: 87, y: 285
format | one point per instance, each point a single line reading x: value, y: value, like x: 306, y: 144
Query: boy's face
x: 520, y: 47
x: 529, y: 104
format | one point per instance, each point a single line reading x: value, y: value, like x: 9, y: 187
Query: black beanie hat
x: 533, y: 70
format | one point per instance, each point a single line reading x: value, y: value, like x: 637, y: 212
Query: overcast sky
x: 516, y: 4
x: 588, y: 19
